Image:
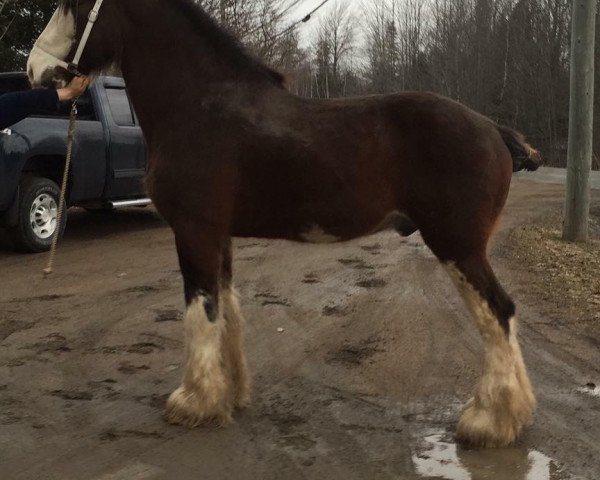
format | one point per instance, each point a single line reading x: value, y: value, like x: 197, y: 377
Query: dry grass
x: 564, y: 275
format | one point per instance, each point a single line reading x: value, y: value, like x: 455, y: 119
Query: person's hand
x: 74, y: 89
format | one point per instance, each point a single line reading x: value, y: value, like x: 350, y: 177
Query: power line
x: 290, y: 6
x: 304, y: 19
x: 282, y: 13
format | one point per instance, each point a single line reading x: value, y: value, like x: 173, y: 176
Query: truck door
x: 126, y: 147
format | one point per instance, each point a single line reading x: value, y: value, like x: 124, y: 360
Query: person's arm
x: 74, y: 89
x: 16, y: 106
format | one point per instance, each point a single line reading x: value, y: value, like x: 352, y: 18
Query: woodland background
x: 508, y: 59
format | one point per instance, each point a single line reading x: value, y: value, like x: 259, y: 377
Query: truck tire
x: 38, y: 209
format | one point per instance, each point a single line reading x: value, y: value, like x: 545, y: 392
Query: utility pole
x: 581, y: 119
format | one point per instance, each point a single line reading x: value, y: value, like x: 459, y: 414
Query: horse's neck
x: 165, y: 60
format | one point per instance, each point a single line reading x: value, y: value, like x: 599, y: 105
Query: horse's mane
x: 224, y: 42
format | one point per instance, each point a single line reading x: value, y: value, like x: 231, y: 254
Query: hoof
x: 496, y: 425
x: 242, y: 398
x: 190, y: 409
x: 241, y: 388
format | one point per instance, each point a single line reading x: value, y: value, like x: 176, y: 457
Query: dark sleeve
x: 16, y: 106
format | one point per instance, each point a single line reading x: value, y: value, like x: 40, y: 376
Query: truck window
x: 85, y: 108
x: 120, y: 107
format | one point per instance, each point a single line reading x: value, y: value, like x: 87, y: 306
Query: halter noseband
x: 73, y: 65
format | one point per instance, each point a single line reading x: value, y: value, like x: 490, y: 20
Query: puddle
x: 590, y: 389
x: 439, y: 457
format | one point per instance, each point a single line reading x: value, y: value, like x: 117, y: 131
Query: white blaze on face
x: 52, y: 47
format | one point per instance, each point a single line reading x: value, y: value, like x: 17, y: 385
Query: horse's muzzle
x: 56, y: 77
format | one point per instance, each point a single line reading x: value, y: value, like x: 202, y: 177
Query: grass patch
x: 565, y: 275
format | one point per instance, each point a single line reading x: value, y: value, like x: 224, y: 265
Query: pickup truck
x: 107, y: 170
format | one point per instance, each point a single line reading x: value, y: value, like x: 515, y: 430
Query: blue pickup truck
x: 109, y: 162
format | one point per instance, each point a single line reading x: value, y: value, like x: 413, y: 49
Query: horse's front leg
x: 206, y: 395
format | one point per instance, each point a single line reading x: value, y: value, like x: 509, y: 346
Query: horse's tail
x: 524, y: 156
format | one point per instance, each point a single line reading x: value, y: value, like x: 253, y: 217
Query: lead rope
x: 61, y: 201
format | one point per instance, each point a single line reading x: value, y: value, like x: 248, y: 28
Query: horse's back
x: 343, y: 165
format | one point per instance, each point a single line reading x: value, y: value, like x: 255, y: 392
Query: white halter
x: 73, y: 66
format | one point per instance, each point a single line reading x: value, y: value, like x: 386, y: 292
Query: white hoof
x: 498, y: 423
x: 191, y: 409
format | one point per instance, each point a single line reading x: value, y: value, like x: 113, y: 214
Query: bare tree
x: 382, y: 48
x: 3, y: 4
x: 333, y: 48
x: 411, y: 28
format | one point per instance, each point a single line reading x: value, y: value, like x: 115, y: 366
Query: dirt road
x: 365, y: 381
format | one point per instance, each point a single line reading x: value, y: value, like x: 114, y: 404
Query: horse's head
x: 64, y: 41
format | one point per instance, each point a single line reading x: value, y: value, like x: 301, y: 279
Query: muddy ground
x: 365, y: 381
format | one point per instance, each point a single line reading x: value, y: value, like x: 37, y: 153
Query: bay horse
x: 233, y: 153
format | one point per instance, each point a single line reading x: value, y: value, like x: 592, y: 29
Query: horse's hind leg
x: 503, y: 401
x: 233, y: 340
x: 206, y: 395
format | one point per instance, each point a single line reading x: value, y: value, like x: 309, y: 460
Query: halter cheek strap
x: 73, y: 67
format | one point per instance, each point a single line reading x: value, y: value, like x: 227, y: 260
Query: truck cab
x: 108, y: 162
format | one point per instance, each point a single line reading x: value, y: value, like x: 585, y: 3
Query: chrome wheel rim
x: 43, y: 216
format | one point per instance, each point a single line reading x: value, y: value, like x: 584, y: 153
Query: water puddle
x: 590, y: 389
x: 439, y: 457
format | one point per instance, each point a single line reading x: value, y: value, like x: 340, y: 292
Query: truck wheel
x: 38, y: 210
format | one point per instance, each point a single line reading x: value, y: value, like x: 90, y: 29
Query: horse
x: 233, y: 153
